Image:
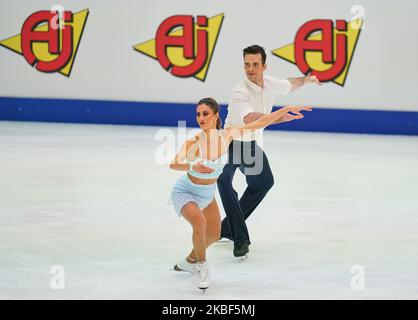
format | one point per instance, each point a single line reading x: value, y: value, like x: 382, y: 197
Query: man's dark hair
x: 254, y: 49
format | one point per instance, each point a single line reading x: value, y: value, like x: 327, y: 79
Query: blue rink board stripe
x: 168, y: 114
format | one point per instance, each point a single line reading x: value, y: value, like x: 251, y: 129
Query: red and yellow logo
x: 184, y: 47
x: 323, y: 49
x: 49, y: 40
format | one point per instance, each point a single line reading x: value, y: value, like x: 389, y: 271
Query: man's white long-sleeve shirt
x: 248, y: 97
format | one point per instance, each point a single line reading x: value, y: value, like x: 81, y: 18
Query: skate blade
x: 204, y: 290
x: 177, y: 269
x: 242, y: 258
x: 224, y: 240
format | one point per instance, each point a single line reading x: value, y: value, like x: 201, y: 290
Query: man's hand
x: 296, y: 83
x: 297, y: 109
x: 311, y: 79
x: 293, y: 114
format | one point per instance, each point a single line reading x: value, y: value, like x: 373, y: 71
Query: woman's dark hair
x: 211, y: 103
x: 254, y: 49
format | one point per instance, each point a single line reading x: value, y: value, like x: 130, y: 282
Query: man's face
x: 254, y: 67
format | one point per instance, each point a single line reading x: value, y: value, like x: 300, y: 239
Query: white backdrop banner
x: 181, y: 51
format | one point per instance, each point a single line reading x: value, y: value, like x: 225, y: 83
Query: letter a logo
x: 322, y: 49
x: 184, y: 47
x: 46, y: 45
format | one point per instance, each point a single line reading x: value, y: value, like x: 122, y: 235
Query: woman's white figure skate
x: 202, y: 273
x: 185, y: 266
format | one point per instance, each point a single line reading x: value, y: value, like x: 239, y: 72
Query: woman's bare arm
x: 180, y: 162
x: 266, y: 120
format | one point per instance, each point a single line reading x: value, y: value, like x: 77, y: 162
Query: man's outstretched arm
x: 253, y: 116
x: 298, y: 82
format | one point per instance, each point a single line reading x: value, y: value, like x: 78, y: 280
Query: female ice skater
x: 204, y: 157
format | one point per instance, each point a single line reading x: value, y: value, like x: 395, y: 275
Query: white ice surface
x: 92, y: 198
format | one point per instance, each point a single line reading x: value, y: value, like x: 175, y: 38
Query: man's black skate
x: 241, y: 249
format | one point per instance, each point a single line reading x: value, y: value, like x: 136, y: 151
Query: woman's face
x: 206, y: 117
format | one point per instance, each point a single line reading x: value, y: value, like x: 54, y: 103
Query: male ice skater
x: 250, y: 100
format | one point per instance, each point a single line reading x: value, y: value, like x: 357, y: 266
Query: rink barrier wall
x: 168, y: 114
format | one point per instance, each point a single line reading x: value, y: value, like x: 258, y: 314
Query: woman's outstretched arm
x: 268, y: 119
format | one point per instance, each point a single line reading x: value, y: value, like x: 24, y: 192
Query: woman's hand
x: 294, y: 112
x: 288, y: 113
x: 201, y: 168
